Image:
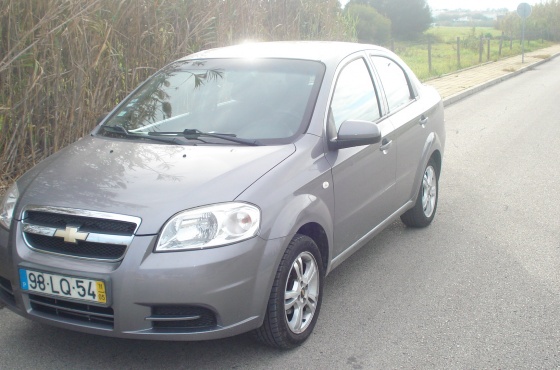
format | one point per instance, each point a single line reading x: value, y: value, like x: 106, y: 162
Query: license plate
x: 63, y: 286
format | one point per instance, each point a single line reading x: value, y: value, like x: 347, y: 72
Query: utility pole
x: 524, y: 11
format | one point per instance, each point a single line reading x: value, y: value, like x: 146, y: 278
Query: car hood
x: 150, y: 181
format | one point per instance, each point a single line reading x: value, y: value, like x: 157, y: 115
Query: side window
x: 354, y: 95
x: 394, y: 82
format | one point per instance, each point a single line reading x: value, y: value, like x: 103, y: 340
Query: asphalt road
x: 479, y: 288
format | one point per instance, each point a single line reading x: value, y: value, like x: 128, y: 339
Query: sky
x: 474, y: 4
x: 477, y: 4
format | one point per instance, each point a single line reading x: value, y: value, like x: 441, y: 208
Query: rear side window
x: 394, y: 81
x: 354, y: 95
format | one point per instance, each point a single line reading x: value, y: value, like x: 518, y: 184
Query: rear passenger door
x: 364, y: 176
x: 409, y: 120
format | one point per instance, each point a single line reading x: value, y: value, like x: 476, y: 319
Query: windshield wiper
x: 194, y: 134
x: 122, y: 131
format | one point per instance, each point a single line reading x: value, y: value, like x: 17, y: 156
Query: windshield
x: 266, y: 100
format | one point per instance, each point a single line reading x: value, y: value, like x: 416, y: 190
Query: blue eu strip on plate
x: 23, y: 279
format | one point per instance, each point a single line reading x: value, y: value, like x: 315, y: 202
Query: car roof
x: 324, y: 51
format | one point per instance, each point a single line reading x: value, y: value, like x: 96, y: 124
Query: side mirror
x: 355, y: 133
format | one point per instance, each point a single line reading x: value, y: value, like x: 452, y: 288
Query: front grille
x: 199, y: 318
x: 81, y: 249
x: 6, y: 292
x: 88, y: 224
x: 84, y: 313
x: 78, y: 233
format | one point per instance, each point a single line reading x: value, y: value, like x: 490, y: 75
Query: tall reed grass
x: 65, y: 62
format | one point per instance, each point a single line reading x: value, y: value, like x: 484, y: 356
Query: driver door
x: 363, y: 176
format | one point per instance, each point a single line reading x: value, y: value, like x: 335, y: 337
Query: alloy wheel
x: 302, y: 292
x: 429, y: 191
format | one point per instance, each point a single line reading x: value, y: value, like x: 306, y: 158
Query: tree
x: 371, y: 27
x: 409, y: 18
x: 544, y: 22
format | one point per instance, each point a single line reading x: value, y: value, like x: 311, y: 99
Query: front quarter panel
x: 296, y: 192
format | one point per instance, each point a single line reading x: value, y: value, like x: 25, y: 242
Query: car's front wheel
x: 295, y: 299
x: 424, y: 210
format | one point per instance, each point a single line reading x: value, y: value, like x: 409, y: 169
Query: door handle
x: 423, y: 120
x: 385, y: 145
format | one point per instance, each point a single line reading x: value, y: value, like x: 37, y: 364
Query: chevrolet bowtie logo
x: 71, y: 234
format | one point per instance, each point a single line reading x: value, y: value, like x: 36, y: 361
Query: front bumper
x: 150, y: 293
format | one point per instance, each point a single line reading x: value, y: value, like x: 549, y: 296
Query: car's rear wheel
x: 424, y: 210
x: 295, y: 299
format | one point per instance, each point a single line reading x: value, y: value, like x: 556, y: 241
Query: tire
x: 424, y: 210
x: 295, y: 298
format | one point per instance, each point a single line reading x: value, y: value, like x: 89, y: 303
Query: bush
x: 371, y: 27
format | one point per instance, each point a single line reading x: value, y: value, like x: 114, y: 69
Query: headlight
x: 209, y: 226
x: 8, y: 205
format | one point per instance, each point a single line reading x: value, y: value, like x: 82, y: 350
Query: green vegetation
x: 371, y: 27
x: 444, y: 49
x: 409, y: 18
x: 450, y: 34
x: 543, y: 23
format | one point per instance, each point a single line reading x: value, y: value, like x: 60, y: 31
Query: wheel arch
x: 436, y: 156
x: 308, y: 214
x: 432, y: 149
x: 319, y: 236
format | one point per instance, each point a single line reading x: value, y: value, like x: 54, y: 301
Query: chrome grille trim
x: 39, y: 230
x: 103, y: 239
x: 84, y: 213
x: 173, y: 318
x: 92, y: 237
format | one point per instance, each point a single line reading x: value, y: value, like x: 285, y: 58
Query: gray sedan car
x: 215, y: 198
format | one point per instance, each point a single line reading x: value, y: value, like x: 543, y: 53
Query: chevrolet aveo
x: 215, y: 198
